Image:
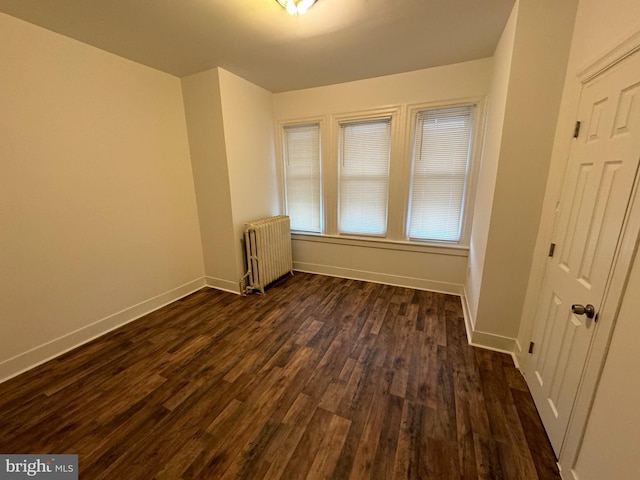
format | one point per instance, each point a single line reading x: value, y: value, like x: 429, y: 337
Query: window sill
x: 384, y: 243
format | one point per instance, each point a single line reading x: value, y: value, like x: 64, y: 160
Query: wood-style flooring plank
x: 319, y: 378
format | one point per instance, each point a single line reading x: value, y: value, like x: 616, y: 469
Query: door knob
x: 588, y: 310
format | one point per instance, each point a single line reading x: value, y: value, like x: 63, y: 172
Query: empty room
x: 319, y: 239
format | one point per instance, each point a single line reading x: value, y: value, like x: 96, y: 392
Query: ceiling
x: 336, y: 41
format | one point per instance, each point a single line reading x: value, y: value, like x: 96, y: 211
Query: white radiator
x: 268, y: 245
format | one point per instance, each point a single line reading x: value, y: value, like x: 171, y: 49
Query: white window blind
x: 302, y: 172
x: 364, y: 153
x: 441, y: 153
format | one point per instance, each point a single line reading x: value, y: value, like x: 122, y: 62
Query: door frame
x: 629, y: 243
x: 555, y: 183
x: 627, y: 249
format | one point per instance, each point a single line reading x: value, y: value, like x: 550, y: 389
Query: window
x: 363, y: 167
x: 441, y: 151
x: 302, y: 172
x: 359, y: 179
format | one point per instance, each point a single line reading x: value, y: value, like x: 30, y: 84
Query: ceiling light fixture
x: 296, y: 7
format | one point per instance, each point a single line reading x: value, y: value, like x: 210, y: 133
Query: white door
x: 600, y: 176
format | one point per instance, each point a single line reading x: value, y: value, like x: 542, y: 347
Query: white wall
x: 438, y: 269
x: 540, y: 51
x: 610, y: 444
x: 496, y: 105
x: 205, y: 124
x: 435, y: 269
x: 247, y: 112
x: 460, y: 80
x: 98, y: 218
x: 600, y: 26
x: 230, y: 124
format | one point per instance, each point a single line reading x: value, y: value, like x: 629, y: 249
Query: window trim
x: 280, y: 163
x: 342, y: 175
x: 283, y: 157
x: 384, y: 243
x: 403, y: 124
x: 475, y: 154
x: 394, y: 114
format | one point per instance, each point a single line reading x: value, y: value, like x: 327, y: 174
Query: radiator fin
x: 268, y: 246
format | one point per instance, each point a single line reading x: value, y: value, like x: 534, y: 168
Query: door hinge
x: 531, y: 344
x: 552, y: 248
x: 576, y: 130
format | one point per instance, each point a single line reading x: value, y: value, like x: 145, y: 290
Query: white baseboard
x: 489, y: 341
x: 494, y: 342
x: 224, y: 285
x: 469, y: 322
x: 376, y: 277
x: 26, y: 361
x: 517, y: 354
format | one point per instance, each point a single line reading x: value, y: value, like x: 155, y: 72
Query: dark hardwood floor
x: 320, y: 378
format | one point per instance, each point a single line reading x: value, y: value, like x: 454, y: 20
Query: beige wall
x: 98, y: 218
x: 610, y: 444
x: 230, y: 124
x: 429, y: 85
x: 433, y: 268
x: 496, y: 105
x: 600, y: 26
x: 247, y: 112
x: 203, y: 109
x: 538, y: 65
